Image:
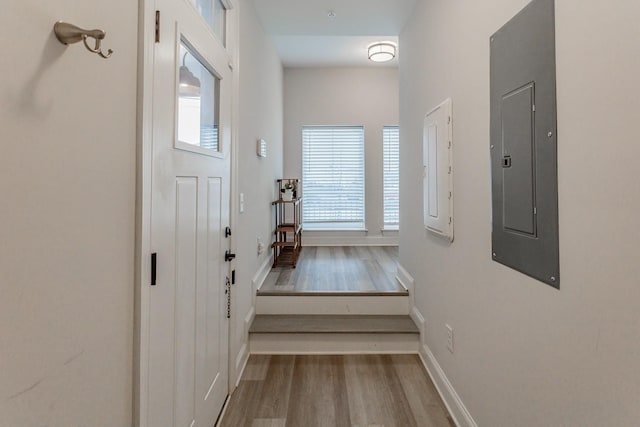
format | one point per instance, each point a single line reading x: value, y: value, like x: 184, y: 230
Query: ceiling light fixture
x: 382, y: 51
x: 189, y: 84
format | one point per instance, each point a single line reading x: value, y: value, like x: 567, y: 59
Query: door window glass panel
x: 198, y: 102
x: 215, y: 15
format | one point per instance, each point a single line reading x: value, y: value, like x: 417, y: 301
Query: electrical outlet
x: 449, y: 338
x: 260, y: 246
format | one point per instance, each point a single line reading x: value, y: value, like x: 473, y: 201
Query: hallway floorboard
x: 352, y: 390
x: 339, y: 270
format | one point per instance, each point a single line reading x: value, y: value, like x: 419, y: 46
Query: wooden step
x: 333, y: 334
x: 337, y: 324
x: 333, y: 304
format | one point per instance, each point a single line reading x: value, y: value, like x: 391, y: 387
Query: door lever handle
x: 228, y: 256
x: 154, y: 262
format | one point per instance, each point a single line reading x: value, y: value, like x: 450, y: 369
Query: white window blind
x: 391, y: 161
x: 333, y: 175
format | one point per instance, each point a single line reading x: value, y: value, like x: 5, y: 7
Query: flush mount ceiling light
x: 382, y: 51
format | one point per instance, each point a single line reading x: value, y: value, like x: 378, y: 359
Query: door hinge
x: 157, y: 26
x: 227, y: 291
x: 154, y: 263
x: 227, y: 231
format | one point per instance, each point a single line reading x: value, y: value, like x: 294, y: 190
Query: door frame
x: 144, y: 155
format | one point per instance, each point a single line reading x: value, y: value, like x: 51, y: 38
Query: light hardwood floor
x: 318, y: 391
x: 360, y: 269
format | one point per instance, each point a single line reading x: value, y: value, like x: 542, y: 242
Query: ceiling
x: 305, y: 35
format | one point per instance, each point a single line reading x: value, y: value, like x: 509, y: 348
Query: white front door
x: 188, y: 325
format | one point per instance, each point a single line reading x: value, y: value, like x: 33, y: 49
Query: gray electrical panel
x: 524, y: 172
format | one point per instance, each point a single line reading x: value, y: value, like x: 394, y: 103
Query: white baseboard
x: 406, y: 280
x: 261, y: 274
x: 418, y: 319
x: 404, y: 277
x: 241, y: 363
x: 328, y: 238
x: 458, y: 411
x: 248, y: 320
x: 243, y: 354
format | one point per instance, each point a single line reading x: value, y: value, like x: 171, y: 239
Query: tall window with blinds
x: 391, y: 187
x: 333, y: 177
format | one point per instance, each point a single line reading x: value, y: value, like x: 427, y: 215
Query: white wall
x: 67, y: 182
x: 260, y: 116
x: 526, y: 354
x: 343, y: 96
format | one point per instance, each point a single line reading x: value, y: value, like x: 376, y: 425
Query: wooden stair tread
x: 347, y: 293
x: 337, y: 324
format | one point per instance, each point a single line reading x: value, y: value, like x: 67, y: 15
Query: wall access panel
x: 438, y: 171
x: 524, y: 144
